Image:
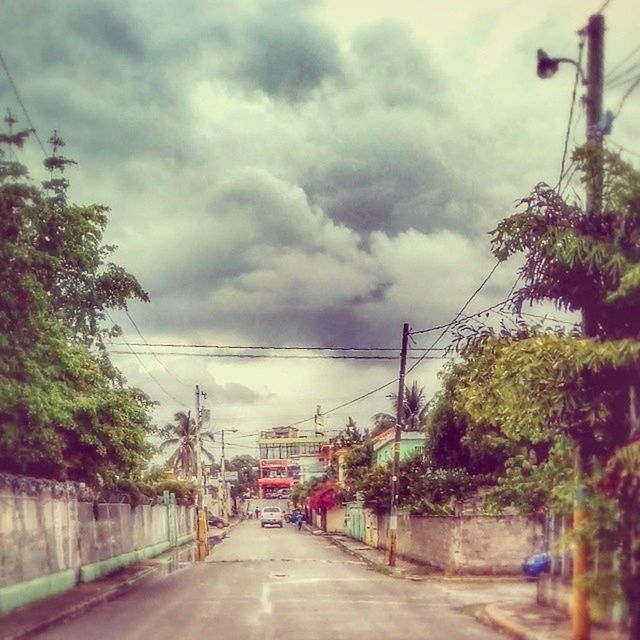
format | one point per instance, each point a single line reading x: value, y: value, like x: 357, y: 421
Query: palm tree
x: 414, y: 410
x: 182, y: 435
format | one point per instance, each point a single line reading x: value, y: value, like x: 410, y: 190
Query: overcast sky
x: 293, y: 172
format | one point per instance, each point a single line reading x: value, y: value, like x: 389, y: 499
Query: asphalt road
x: 282, y: 584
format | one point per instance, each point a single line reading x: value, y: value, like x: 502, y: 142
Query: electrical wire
x: 267, y: 356
x: 618, y: 64
x: 21, y: 103
x: 629, y: 91
x: 160, y: 385
x: 571, y: 110
x: 626, y: 149
x: 173, y: 375
x: 260, y: 347
x: 457, y: 316
x: 460, y: 320
x: 622, y: 76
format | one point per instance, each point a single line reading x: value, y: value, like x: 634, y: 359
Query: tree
x: 247, y: 468
x: 65, y: 411
x: 413, y: 414
x: 454, y: 440
x: 350, y: 435
x: 558, y: 391
x: 182, y: 434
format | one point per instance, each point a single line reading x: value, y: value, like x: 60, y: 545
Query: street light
x: 548, y: 67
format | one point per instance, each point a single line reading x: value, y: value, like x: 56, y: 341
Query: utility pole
x: 198, y: 447
x: 201, y: 519
x: 224, y: 482
x: 580, y: 619
x: 392, y: 534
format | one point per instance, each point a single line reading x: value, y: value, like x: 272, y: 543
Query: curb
x: 494, y: 617
x: 368, y: 561
x: 86, y: 605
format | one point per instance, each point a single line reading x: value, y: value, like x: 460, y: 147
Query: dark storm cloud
x: 286, y: 56
x: 99, y: 24
x: 249, y: 156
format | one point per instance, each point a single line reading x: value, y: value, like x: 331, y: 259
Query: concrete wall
x: 51, y: 537
x: 478, y: 544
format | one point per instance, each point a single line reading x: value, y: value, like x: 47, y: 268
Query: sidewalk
x: 523, y: 619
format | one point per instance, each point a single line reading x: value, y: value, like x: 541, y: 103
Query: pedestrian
x: 299, y: 519
x: 257, y: 512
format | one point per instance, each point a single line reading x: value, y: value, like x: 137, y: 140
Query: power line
x: 464, y: 306
x: 618, y: 64
x: 21, y: 103
x: 458, y: 321
x: 175, y: 377
x: 619, y: 146
x: 571, y: 109
x: 626, y: 95
x: 168, y: 393
x: 258, y: 347
x: 622, y: 76
x: 267, y: 356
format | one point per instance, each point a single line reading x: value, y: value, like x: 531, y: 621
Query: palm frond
x: 168, y: 443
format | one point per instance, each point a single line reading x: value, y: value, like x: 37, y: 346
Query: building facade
x: 410, y: 443
x: 289, y: 456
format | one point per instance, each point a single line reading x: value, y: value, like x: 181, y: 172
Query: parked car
x: 271, y: 516
x: 536, y: 564
x: 216, y: 521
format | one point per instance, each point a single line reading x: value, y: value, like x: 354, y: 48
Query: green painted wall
x: 408, y: 446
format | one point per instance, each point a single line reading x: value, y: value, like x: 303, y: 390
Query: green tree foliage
x: 454, y: 441
x: 247, y: 468
x: 413, y: 414
x: 65, y: 411
x: 350, y: 435
x: 180, y: 435
x: 548, y: 393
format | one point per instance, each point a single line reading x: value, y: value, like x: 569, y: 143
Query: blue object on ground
x: 536, y: 564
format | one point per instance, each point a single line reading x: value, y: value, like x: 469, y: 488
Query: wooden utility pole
x: 198, y: 450
x: 392, y: 533
x: 223, y: 510
x: 201, y: 518
x: 580, y: 621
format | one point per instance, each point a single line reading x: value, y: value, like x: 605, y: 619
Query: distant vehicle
x: 536, y: 564
x: 284, y: 493
x: 271, y: 516
x: 216, y: 521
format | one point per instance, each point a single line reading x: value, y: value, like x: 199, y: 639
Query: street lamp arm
x: 576, y: 65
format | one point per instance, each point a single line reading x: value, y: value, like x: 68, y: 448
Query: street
x: 283, y: 583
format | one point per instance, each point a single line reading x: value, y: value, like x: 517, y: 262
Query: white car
x: 272, y: 516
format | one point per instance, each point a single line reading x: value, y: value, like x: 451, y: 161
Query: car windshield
x: 271, y: 510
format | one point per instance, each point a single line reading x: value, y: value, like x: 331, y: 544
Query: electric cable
x: 21, y: 103
x: 464, y: 306
x: 571, y: 110
x: 164, y: 389
x: 615, y: 69
x: 629, y: 91
x: 135, y: 326
x: 622, y: 76
x: 259, y: 347
x: 267, y: 356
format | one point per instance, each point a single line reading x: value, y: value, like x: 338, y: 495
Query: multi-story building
x: 288, y: 456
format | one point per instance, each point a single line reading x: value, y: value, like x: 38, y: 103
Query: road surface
x: 282, y: 584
